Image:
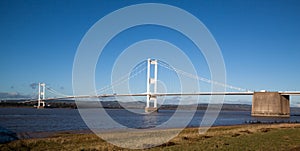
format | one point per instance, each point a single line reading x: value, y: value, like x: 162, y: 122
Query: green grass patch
x: 246, y: 137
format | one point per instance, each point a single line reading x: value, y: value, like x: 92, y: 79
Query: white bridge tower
x: 41, y: 95
x: 151, y: 86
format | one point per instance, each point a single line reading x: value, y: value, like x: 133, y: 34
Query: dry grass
x: 244, y: 137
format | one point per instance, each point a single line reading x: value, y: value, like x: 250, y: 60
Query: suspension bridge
x: 263, y: 103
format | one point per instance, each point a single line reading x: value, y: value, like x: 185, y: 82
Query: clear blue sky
x: 260, y: 40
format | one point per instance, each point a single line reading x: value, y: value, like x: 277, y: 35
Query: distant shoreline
x: 124, y: 105
x: 131, y: 105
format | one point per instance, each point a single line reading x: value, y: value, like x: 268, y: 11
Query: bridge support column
x: 151, y: 82
x: 41, y: 96
x: 270, y: 104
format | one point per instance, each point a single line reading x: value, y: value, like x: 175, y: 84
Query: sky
x: 259, y: 41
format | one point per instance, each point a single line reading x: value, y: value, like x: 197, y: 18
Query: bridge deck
x: 171, y: 94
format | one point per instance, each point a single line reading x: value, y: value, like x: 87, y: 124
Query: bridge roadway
x: 170, y: 94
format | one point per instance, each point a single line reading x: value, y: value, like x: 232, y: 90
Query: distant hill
x: 120, y: 105
x: 117, y: 105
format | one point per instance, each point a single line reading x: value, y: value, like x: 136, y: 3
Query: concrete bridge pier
x: 270, y: 104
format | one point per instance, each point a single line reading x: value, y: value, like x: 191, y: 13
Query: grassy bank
x: 244, y: 137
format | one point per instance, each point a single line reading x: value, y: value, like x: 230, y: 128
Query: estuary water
x: 30, y: 120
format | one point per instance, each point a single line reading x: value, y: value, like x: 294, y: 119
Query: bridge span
x: 295, y: 93
x: 264, y: 103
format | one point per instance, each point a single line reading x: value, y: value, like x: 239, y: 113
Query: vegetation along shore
x: 239, y: 137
